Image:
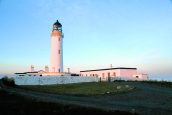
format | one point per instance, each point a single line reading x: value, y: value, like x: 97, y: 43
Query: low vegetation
x: 160, y: 83
x: 82, y: 88
x: 8, y: 81
x: 93, y: 88
x: 145, y: 98
x: 11, y: 104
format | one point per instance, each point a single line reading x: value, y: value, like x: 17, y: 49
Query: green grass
x: 167, y: 84
x: 12, y: 104
x: 82, y: 88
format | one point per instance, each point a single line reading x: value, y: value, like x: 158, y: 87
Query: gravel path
x: 147, y: 99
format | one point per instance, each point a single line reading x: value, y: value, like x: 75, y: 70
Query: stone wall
x: 50, y: 80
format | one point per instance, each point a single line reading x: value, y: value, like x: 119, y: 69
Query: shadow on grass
x: 17, y: 105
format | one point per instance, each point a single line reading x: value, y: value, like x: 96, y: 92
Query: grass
x: 166, y: 84
x: 12, y: 104
x: 82, y: 88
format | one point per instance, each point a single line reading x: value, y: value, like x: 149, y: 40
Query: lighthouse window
x: 59, y: 51
x: 59, y: 39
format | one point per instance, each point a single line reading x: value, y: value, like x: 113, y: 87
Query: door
x: 108, y: 76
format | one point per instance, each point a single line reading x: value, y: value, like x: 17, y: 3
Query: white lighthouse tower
x: 56, y: 61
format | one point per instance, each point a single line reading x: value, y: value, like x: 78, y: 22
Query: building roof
x: 108, y: 69
x: 31, y: 72
x: 57, y: 23
x: 27, y: 72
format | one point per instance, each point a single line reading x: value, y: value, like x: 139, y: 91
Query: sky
x: 97, y: 33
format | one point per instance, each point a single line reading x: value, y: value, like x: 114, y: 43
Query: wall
x: 125, y: 78
x: 128, y: 72
x: 100, y: 73
x: 141, y: 76
x: 50, y: 80
x: 55, y: 56
x: 118, y: 72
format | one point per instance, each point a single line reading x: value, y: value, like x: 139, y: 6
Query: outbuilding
x: 121, y: 73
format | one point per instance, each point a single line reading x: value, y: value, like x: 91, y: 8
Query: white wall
x: 123, y: 74
x: 118, y: 72
x: 141, y: 76
x: 50, y: 80
x: 55, y: 56
x: 100, y: 73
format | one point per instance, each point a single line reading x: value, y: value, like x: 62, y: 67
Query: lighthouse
x: 56, y: 58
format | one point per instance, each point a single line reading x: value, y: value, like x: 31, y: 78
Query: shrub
x: 8, y: 81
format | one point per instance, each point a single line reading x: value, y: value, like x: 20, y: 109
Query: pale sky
x: 97, y: 33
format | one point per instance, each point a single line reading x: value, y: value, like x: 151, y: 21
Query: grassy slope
x: 82, y: 88
x: 11, y: 104
x: 160, y: 83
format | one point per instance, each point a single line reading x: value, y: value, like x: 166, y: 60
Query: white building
x: 116, y: 74
x: 56, y: 61
x: 55, y: 74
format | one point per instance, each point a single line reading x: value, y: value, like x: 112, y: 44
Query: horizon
x: 96, y: 34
